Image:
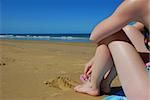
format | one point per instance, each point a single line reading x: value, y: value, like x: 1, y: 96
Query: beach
x: 43, y: 70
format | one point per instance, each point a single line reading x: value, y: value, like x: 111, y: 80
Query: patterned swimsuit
x: 146, y: 38
x: 147, y: 44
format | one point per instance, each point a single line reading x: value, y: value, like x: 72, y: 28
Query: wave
x: 59, y: 38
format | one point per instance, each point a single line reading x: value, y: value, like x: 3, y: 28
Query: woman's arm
x: 125, y: 13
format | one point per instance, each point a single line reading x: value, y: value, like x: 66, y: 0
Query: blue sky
x: 54, y: 16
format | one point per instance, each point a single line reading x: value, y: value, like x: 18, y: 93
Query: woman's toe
x: 77, y: 87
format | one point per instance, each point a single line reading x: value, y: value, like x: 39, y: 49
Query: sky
x: 54, y: 16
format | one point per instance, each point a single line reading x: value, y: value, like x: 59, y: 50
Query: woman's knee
x: 128, y: 27
x: 121, y: 47
x: 136, y: 37
x: 119, y: 44
x: 133, y: 34
x: 102, y: 48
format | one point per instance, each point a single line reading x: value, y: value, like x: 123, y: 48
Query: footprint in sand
x: 62, y: 82
x: 2, y: 62
x: 5, y: 60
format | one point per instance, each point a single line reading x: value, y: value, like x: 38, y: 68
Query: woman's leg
x: 137, y: 39
x: 102, y: 63
x: 120, y: 36
x: 106, y: 82
x: 131, y: 70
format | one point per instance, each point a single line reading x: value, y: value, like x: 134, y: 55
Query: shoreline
x: 48, y: 37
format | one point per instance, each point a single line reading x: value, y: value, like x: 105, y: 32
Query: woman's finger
x: 87, y: 67
x: 89, y: 72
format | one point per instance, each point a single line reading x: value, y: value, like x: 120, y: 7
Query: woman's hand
x: 88, y: 67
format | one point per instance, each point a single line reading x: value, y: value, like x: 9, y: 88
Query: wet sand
x: 42, y: 70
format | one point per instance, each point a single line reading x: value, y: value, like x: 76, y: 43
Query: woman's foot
x: 105, y: 87
x: 87, y: 89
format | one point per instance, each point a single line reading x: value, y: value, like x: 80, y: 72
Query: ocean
x: 61, y: 37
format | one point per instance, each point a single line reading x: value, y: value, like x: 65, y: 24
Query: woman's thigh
x: 131, y: 70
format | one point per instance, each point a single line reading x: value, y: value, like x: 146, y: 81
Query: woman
x: 128, y: 63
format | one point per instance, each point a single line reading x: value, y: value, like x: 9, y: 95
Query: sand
x: 42, y: 70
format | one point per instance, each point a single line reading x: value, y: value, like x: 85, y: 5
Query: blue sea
x: 61, y: 37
